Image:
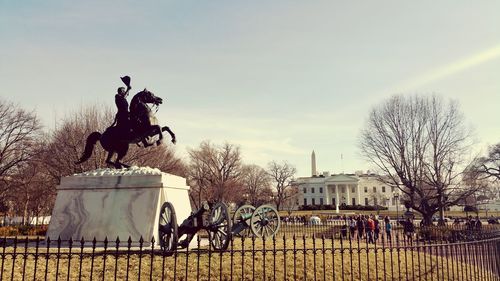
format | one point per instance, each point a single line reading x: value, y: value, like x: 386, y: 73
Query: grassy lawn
x: 248, y: 260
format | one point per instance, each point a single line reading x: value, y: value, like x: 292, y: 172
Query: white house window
x: 366, y: 189
x: 353, y: 190
x: 383, y: 188
x: 313, y: 201
x: 320, y: 190
x: 366, y: 201
x: 304, y: 190
x: 312, y: 189
x: 305, y: 201
x: 374, y: 189
x: 321, y: 201
x: 353, y: 201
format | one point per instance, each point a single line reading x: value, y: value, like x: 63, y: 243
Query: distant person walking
x: 409, y: 229
x: 370, y: 229
x: 376, y: 231
x: 361, y: 227
x: 388, y: 228
x: 352, y: 226
x: 478, y: 224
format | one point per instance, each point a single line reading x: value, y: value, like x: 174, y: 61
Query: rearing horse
x: 143, y: 125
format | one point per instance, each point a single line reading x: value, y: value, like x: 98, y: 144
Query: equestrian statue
x: 139, y: 125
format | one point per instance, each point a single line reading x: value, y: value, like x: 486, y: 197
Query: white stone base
x: 112, y: 205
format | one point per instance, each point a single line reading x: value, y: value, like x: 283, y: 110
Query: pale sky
x: 278, y: 78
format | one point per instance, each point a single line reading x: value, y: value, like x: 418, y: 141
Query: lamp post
x: 396, y: 198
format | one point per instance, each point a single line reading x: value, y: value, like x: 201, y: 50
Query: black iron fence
x: 341, y: 229
x: 475, y: 256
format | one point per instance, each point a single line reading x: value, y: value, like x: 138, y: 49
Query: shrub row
x: 19, y: 230
x: 342, y: 207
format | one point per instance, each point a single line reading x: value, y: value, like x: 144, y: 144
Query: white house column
x: 358, y: 189
x: 327, y: 194
x: 348, y: 197
x: 337, y: 198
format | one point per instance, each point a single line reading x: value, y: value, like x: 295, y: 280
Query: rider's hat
x: 126, y: 80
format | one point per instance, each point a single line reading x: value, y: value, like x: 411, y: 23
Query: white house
x: 350, y: 189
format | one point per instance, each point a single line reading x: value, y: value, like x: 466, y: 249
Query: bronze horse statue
x: 143, y: 126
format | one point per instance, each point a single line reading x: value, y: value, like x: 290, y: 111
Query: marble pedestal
x: 121, y: 203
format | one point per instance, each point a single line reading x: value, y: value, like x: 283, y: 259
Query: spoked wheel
x: 265, y: 221
x: 241, y: 221
x: 219, y: 227
x: 167, y: 229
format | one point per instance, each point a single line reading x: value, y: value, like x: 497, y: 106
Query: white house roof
x: 333, y: 179
x: 341, y: 178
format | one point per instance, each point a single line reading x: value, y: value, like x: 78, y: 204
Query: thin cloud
x: 451, y: 69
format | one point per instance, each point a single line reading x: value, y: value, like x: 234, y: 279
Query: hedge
x: 342, y: 207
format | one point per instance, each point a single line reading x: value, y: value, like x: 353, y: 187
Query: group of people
x: 473, y: 224
x: 370, y: 227
x: 294, y: 220
x: 366, y: 227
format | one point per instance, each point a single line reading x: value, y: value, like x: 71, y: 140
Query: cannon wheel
x: 265, y: 221
x: 219, y: 227
x: 242, y: 215
x: 167, y: 229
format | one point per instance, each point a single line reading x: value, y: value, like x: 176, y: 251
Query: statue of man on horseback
x: 138, y: 125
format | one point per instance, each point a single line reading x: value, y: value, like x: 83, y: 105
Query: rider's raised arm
x: 126, y: 80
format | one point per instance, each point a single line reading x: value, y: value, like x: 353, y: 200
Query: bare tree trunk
x: 25, y: 212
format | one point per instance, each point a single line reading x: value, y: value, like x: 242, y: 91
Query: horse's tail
x: 89, y: 147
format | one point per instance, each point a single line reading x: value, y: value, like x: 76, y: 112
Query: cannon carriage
x: 263, y: 221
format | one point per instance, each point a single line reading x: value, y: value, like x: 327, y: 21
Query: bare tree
x: 162, y: 157
x: 488, y: 167
x: 256, y: 184
x: 67, y: 141
x: 292, y: 200
x: 19, y: 130
x: 33, y: 190
x: 377, y: 199
x: 214, y: 173
x: 282, y: 176
x: 418, y: 143
x: 486, y: 187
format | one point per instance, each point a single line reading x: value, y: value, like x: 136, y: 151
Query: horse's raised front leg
x: 172, y: 135
x: 145, y: 142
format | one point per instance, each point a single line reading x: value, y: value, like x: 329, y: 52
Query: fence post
x: 497, y: 257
